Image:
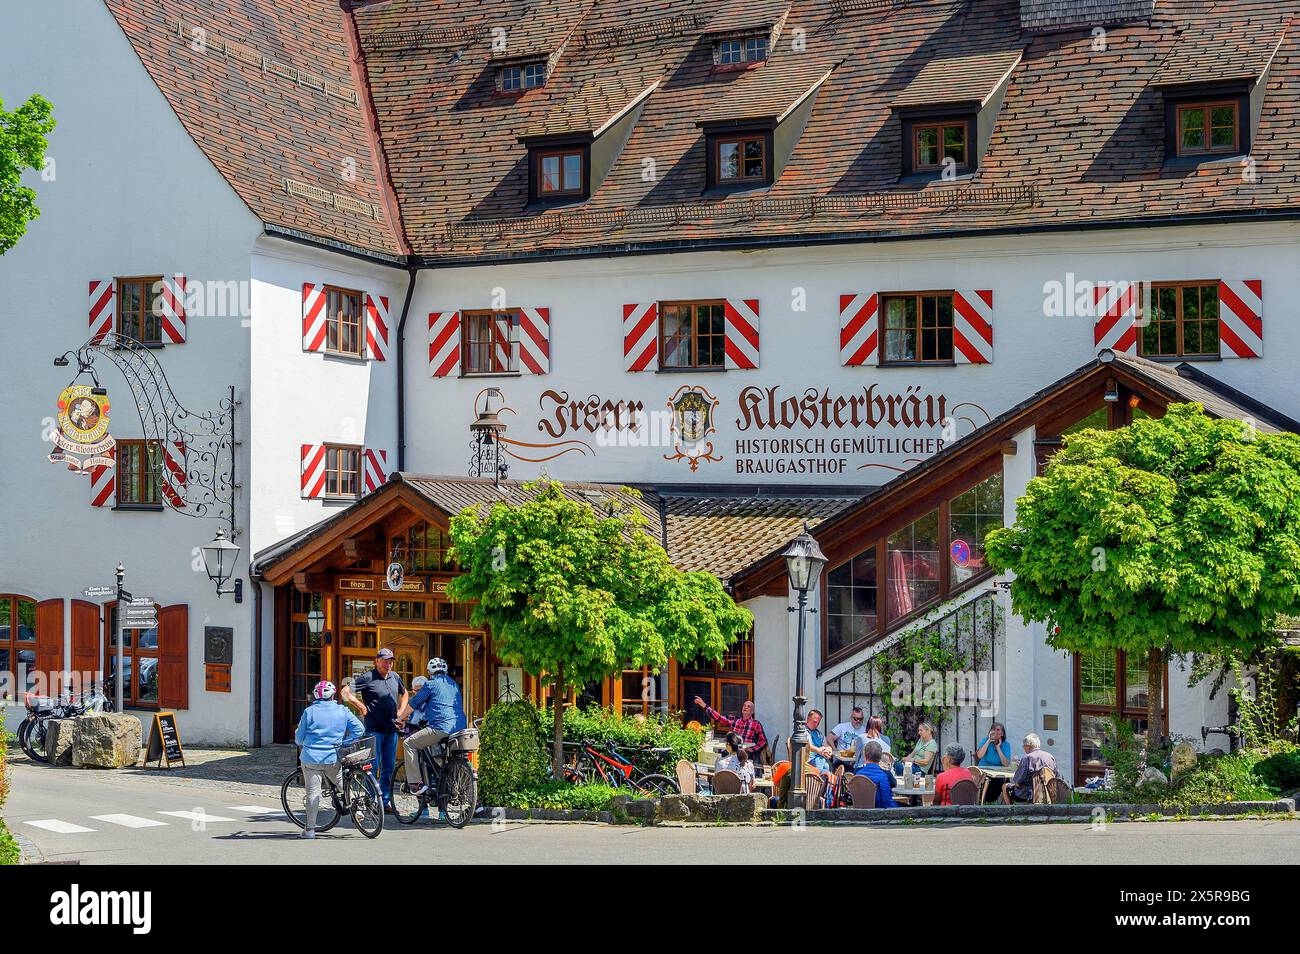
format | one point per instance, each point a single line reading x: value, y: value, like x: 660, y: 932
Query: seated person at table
x: 870, y: 768
x: 995, y: 750
x: 923, y: 754
x: 819, y: 752
x: 1021, y: 786
x: 737, y: 760
x: 876, y: 733
x: 847, y: 737
x: 952, y: 773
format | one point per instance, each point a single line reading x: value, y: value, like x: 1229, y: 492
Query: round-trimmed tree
x: 1172, y: 535
x: 576, y: 596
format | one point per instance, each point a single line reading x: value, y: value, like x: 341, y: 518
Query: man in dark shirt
x: 379, y: 695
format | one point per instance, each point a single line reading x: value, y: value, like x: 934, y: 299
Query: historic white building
x: 762, y: 261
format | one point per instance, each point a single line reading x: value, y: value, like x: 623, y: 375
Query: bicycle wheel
x: 361, y: 795
x: 409, y: 806
x: 33, y: 740
x: 657, y: 785
x: 293, y: 797
x: 459, y: 794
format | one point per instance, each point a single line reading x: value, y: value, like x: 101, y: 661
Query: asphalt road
x: 107, y: 818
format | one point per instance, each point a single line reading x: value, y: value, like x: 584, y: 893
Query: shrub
x: 1280, y: 770
x: 8, y: 846
x: 1220, y: 778
x: 603, y: 726
x: 512, y: 751
x: 4, y: 778
x: 561, y: 795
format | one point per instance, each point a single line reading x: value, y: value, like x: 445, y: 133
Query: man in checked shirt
x: 746, y: 726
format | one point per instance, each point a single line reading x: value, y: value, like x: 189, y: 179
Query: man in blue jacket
x: 444, y: 713
x: 324, y: 726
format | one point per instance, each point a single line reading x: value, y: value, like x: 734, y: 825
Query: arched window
x: 18, y: 642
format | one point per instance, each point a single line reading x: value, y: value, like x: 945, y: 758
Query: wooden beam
x: 363, y: 548
x: 312, y: 582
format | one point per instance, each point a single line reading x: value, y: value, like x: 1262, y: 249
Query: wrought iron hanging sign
x: 81, y: 440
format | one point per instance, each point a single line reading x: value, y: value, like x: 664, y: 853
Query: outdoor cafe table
x: 904, y: 789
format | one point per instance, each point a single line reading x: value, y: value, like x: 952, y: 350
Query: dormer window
x: 558, y: 170
x: 518, y: 77
x: 1208, y: 128
x: 941, y: 144
x: 740, y: 50
x: 741, y: 159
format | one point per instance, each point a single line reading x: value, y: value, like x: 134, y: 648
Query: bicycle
x: 615, y: 769
x: 452, y: 786
x: 40, y: 710
x: 359, y: 797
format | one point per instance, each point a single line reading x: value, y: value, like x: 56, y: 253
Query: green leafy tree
x: 576, y: 596
x: 1176, y: 535
x: 22, y: 146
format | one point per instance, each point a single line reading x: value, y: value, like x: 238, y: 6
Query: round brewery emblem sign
x: 81, y: 439
x: 960, y: 550
x: 394, y: 577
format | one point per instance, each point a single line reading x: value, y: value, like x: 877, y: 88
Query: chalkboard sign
x: 164, y: 741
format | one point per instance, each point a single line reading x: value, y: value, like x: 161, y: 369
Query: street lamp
x: 219, y: 558
x: 804, y: 561
x: 316, y: 621
x: 487, y: 430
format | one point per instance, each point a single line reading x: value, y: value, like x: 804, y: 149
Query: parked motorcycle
x: 41, y: 709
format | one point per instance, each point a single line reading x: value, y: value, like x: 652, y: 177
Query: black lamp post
x: 804, y: 561
x: 219, y: 558
x: 487, y: 430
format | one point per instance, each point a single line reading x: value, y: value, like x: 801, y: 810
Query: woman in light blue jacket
x: 324, y: 726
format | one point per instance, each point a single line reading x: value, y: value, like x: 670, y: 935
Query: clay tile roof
x: 266, y: 91
x: 721, y: 535
x: 768, y: 92
x: 969, y: 78
x: 537, y: 28
x: 1068, y: 14
x: 1231, y: 46
x: 591, y: 105
x: 740, y: 15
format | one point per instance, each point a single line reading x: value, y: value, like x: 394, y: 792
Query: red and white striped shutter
x: 174, y: 476
x: 503, y: 326
x: 1118, y: 304
x: 741, y: 347
x: 103, y: 308
x: 172, y: 309
x: 972, y: 326
x: 535, y: 340
x: 313, y: 317
x: 444, y: 343
x: 859, y: 329
x: 377, y: 327
x: 1241, y: 319
x: 640, y: 336
x: 374, y: 469
x: 103, y: 483
x: 313, y: 471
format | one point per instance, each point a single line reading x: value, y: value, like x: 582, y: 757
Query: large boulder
x: 58, y: 741
x: 1182, y: 759
x: 712, y: 808
x: 107, y: 740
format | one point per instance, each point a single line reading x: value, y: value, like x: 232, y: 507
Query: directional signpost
x: 133, y: 612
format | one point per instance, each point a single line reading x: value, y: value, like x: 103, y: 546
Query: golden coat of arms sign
x: 81, y: 439
x: 693, y: 410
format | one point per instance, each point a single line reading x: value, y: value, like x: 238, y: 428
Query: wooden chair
x: 862, y: 791
x: 981, y: 784
x: 769, y: 753
x: 726, y: 782
x: 687, y: 780
x: 963, y: 793
x: 1059, y: 791
x: 814, y: 787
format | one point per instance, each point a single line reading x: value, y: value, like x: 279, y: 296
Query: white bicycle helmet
x: 323, y: 690
x: 437, y: 666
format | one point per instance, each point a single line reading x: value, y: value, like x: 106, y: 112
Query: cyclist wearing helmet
x: 324, y: 726
x: 444, y: 713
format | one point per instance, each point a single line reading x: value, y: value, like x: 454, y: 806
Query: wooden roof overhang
x: 360, y: 532
x: 963, y: 463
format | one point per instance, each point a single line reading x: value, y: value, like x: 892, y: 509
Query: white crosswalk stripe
x: 199, y: 816
x: 255, y: 809
x: 58, y: 827
x: 129, y: 821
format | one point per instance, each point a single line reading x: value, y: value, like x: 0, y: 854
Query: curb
x: 28, y: 853
x: 1075, y: 811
